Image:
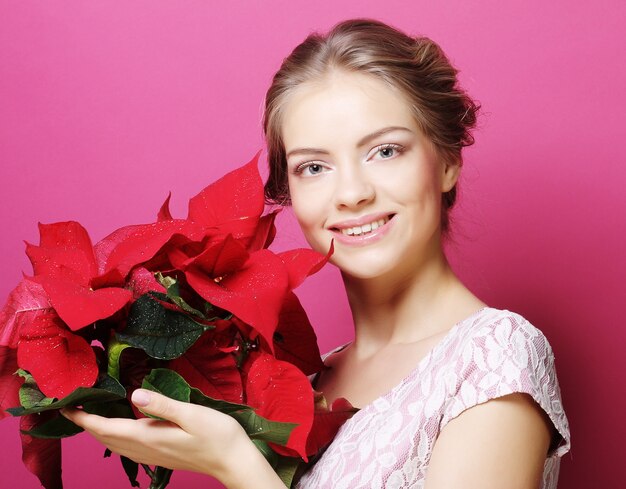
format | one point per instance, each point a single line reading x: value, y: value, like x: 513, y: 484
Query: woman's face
x: 362, y: 173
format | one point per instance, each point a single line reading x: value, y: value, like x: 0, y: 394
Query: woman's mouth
x: 364, y: 230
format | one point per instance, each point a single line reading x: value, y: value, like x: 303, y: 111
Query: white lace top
x: 388, y: 443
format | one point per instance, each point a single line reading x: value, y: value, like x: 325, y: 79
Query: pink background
x: 107, y: 106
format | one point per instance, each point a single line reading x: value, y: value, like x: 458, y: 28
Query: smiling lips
x: 362, y: 231
x: 365, y: 228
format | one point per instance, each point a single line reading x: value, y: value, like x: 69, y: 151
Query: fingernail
x: 141, y: 397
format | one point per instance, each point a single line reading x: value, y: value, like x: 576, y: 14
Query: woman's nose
x: 354, y: 189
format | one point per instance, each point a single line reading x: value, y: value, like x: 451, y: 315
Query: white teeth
x: 365, y: 228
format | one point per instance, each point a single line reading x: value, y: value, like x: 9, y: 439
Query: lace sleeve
x: 506, y: 356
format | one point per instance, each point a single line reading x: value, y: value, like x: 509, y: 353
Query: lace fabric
x: 388, y: 443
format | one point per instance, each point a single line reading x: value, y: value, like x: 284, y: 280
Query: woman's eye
x: 310, y: 169
x: 388, y: 150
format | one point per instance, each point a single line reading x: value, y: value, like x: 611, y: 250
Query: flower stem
x: 160, y: 477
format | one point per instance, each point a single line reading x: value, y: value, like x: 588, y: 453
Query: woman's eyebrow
x: 363, y: 141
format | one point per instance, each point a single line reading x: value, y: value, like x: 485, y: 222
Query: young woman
x: 364, y: 129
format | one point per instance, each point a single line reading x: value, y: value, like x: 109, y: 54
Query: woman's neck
x: 409, y: 305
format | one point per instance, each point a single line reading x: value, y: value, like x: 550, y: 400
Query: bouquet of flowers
x: 198, y: 309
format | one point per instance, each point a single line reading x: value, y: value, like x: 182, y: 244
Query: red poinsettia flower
x: 232, y: 205
x: 9, y: 382
x: 280, y: 392
x: 220, y: 248
x: 27, y: 301
x: 59, y: 360
x: 206, y: 366
x: 294, y: 339
x: 65, y: 265
x: 34, y: 338
x: 326, y: 421
x: 41, y: 456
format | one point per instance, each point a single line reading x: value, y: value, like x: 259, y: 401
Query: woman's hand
x: 191, y: 437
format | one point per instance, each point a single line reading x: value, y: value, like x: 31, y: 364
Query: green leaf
x: 132, y: 469
x: 59, y: 427
x: 113, y: 409
x: 161, y: 333
x: 167, y: 382
x: 173, y: 294
x: 198, y: 397
x: 108, y: 389
x: 171, y: 384
x: 286, y: 469
x: 115, y: 349
x: 29, y: 394
x: 261, y: 428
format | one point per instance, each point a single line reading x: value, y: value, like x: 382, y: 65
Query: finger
x: 160, y: 406
x: 183, y: 414
x: 76, y: 416
x: 98, y: 426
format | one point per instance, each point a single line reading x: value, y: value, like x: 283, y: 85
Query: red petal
x: 303, y: 262
x: 59, y: 360
x: 254, y: 294
x: 234, y: 203
x: 220, y: 259
x: 103, y: 248
x: 265, y: 232
x: 326, y: 423
x: 144, y: 242
x: 206, y: 368
x: 179, y: 249
x: 281, y: 392
x: 142, y: 281
x: 9, y: 382
x: 164, y: 212
x: 65, y: 250
x: 41, y: 456
x: 294, y: 340
x: 80, y: 306
x: 112, y: 278
x: 25, y: 302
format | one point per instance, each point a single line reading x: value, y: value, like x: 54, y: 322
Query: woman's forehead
x: 343, y: 105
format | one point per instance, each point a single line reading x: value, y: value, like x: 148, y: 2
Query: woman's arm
x: 193, y: 438
x: 501, y: 444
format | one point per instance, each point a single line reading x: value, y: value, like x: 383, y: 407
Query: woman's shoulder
x: 501, y: 353
x: 494, y: 328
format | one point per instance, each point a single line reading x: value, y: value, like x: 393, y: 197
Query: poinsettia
x: 64, y: 264
x: 281, y: 392
x: 211, y: 367
x: 33, y: 334
x: 197, y: 308
x: 59, y: 360
x: 232, y: 205
x: 9, y: 383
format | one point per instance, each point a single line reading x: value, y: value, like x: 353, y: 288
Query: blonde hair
x: 415, y: 66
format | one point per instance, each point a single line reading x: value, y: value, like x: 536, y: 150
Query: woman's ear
x: 450, y: 175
